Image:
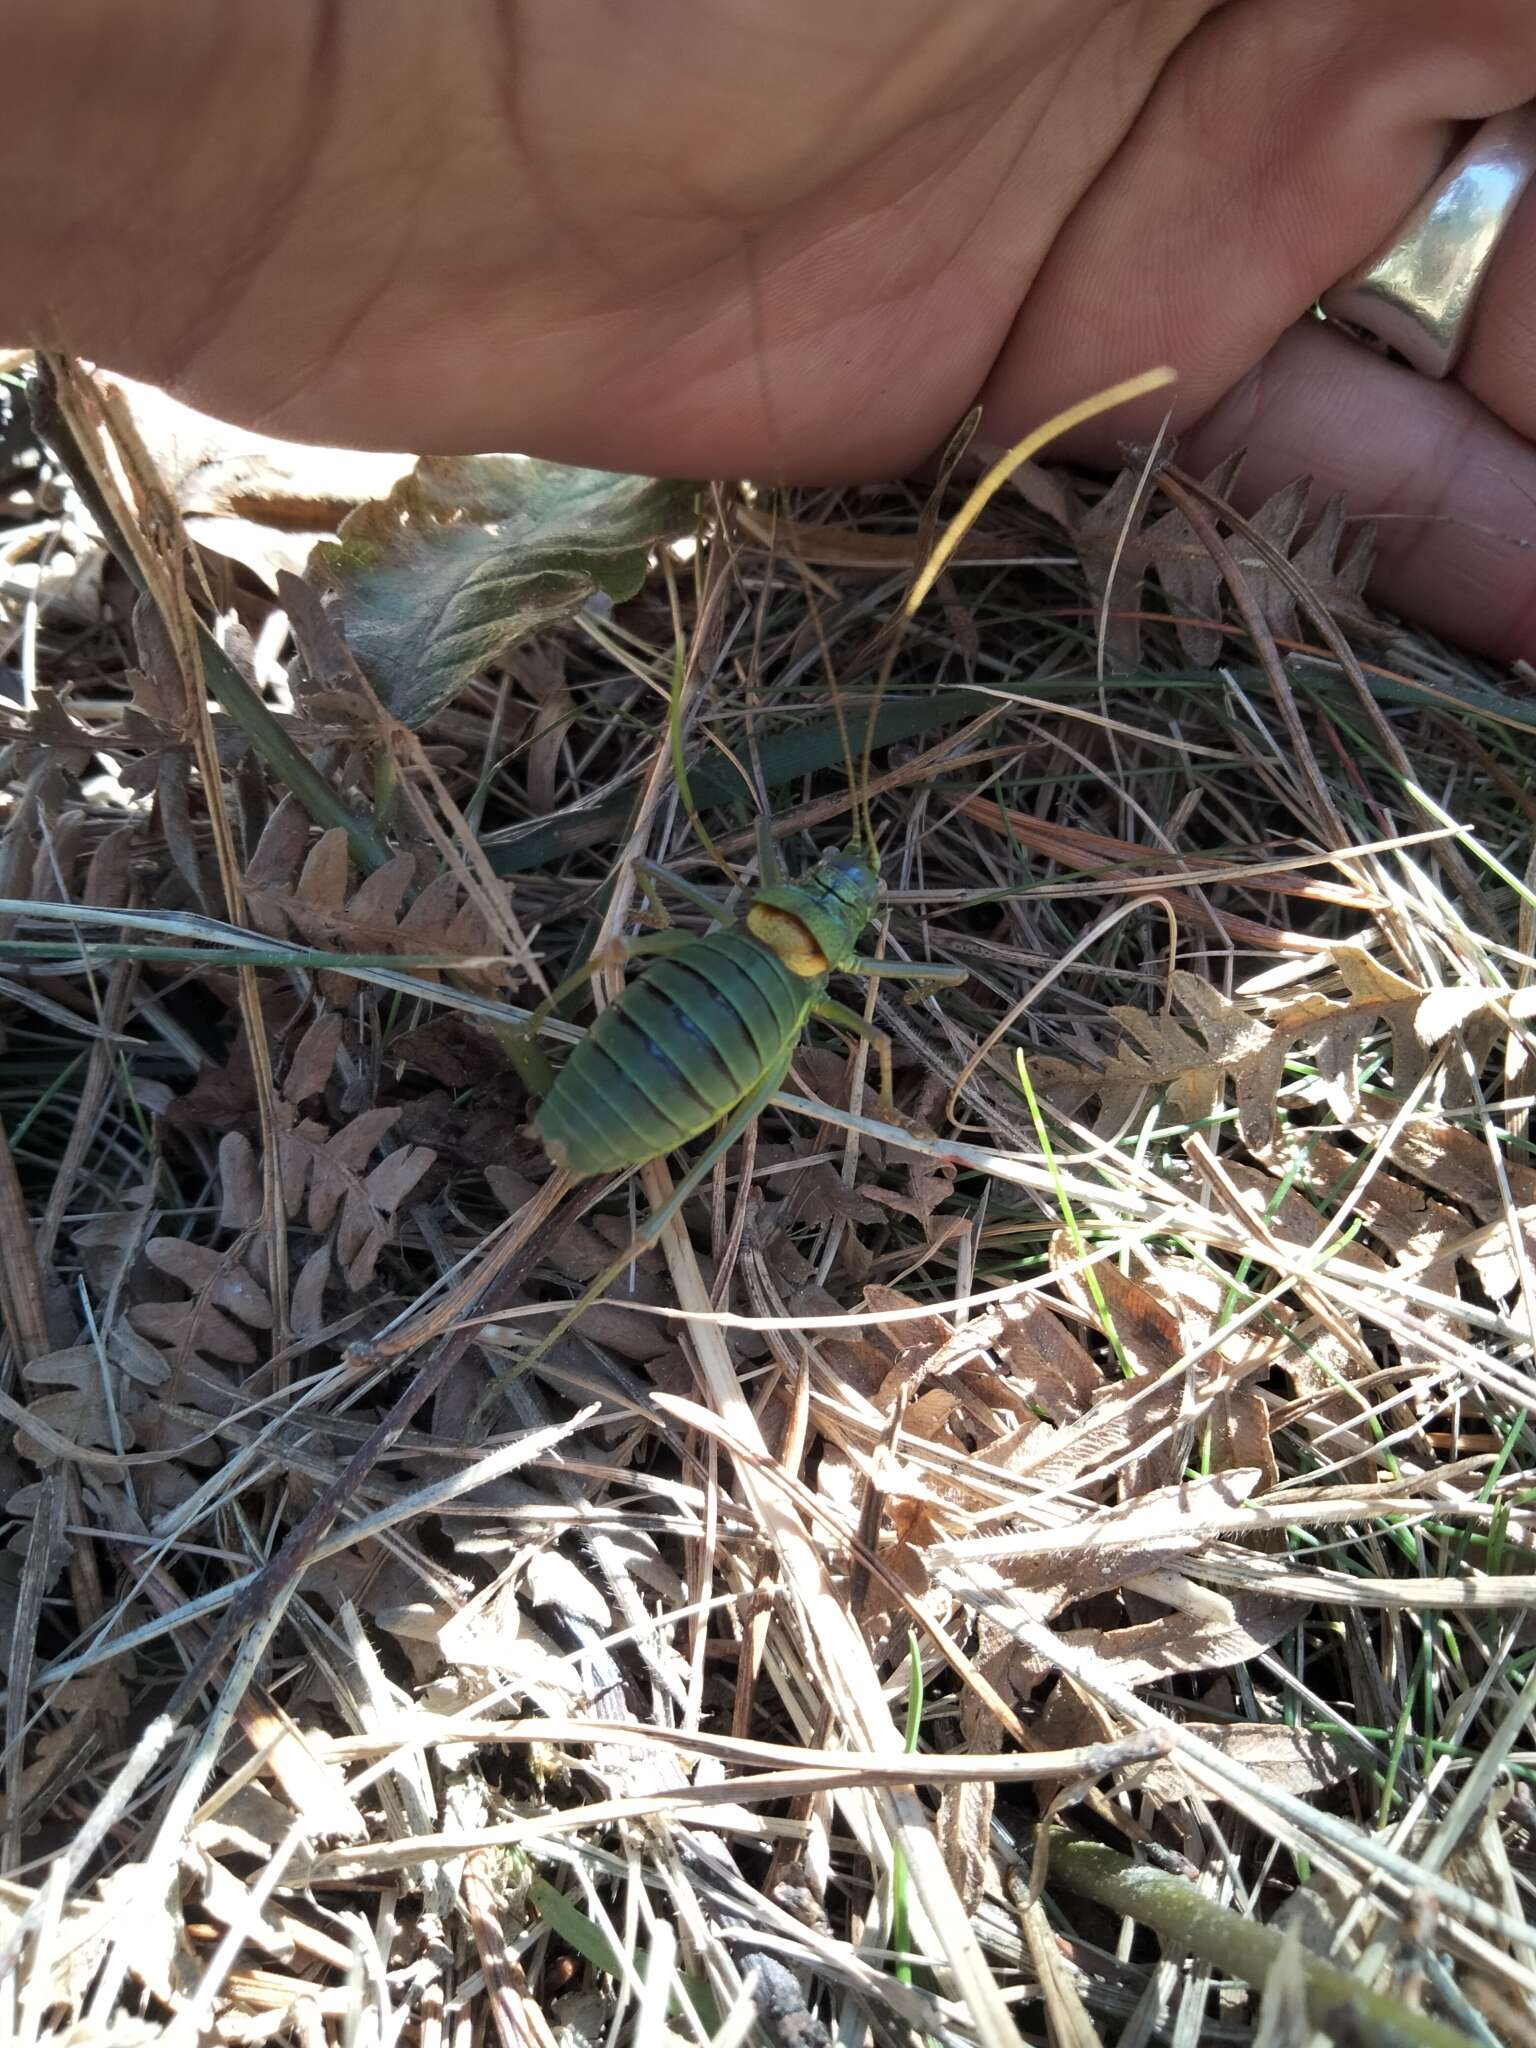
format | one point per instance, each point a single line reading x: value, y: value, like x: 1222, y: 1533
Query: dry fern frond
x: 1116, y: 536
x: 1243, y: 1444
x: 89, y: 1397
x: 326, y: 1178
x: 1247, y: 1046
x: 295, y: 887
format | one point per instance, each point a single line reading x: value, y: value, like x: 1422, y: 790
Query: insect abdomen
x: 697, y: 1032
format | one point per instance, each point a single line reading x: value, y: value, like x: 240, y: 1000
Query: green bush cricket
x: 706, y: 1034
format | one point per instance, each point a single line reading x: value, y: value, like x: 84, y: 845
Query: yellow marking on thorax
x: 784, y: 934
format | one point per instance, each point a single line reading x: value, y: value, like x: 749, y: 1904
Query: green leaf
x: 574, y: 1927
x: 469, y: 554
x: 784, y: 759
x: 581, y: 1933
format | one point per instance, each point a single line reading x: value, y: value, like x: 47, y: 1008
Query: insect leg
x: 650, y: 877
x: 910, y: 970
x: 833, y: 1012
x: 656, y: 945
x: 752, y: 1106
x: 770, y: 865
x: 651, y: 1229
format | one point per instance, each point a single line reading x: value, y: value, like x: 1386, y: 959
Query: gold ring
x: 1415, y: 296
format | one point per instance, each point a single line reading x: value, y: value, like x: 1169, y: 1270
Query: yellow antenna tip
x: 1041, y: 437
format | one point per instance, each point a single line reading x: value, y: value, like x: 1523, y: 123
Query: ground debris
x: 1122, y: 1411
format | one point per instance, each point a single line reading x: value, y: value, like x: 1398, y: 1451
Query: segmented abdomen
x: 698, y: 1031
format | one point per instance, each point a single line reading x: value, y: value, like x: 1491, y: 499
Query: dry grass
x: 1131, y: 1428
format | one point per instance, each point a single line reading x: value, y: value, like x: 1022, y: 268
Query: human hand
x: 789, y: 241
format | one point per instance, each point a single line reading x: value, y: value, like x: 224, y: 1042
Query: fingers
x: 1447, y: 470
x: 1284, y: 145
x: 1451, y: 487
x: 1279, y: 149
x: 1499, y: 365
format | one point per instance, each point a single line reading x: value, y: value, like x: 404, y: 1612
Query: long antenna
x: 953, y: 534
x: 862, y: 825
x: 949, y: 461
x: 971, y: 511
x: 985, y: 491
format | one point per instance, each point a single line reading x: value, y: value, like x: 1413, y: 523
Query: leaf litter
x: 1149, y: 1445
